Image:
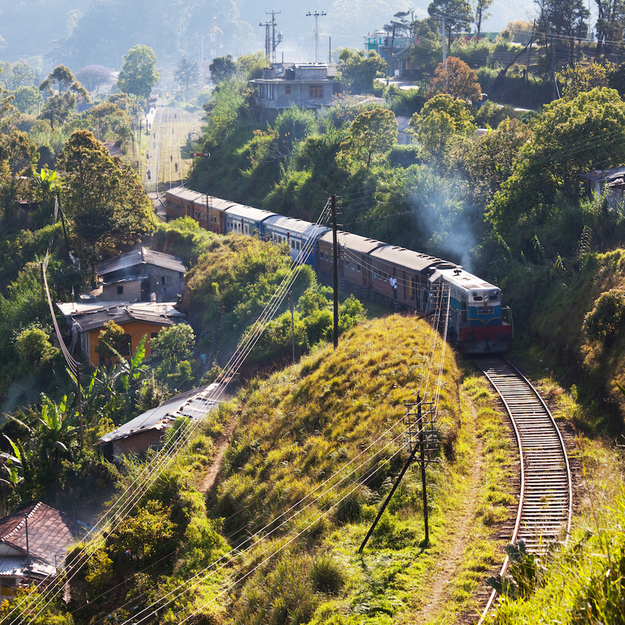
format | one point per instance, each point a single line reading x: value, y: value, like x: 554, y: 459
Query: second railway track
x: 545, y: 499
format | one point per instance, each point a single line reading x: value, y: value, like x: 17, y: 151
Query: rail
x: 546, y: 497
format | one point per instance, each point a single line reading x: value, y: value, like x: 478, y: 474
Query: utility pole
x: 267, y: 26
x: 335, y: 263
x: 292, y: 324
x: 444, y: 41
x: 316, y: 15
x: 273, y: 33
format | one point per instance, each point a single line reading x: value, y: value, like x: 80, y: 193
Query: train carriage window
x: 477, y: 298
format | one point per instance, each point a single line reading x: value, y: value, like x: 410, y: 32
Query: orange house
x: 138, y: 320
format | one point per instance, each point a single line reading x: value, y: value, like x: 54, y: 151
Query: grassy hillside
x: 315, y: 450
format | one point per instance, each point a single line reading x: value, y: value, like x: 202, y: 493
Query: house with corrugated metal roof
x: 147, y: 430
x: 85, y: 320
x: 142, y: 275
x: 33, y: 545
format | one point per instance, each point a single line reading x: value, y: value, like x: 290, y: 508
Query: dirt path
x: 221, y: 444
x: 449, y: 562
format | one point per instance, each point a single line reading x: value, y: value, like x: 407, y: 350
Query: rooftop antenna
x: 316, y: 15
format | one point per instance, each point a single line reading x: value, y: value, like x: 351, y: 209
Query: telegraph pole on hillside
x: 335, y: 264
x: 267, y: 26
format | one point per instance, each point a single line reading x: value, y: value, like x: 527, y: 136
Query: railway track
x: 545, y: 501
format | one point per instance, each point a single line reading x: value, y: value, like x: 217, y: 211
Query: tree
x: 62, y: 78
x: 547, y: 168
x: 482, y: 14
x: 222, y: 68
x: 564, y: 19
x: 103, y: 198
x: 357, y: 71
x: 489, y: 161
x: 428, y: 48
x: 442, y: 120
x: 174, y: 344
x: 187, y: 74
x: 110, y: 340
x: 138, y: 74
x: 610, y: 24
x: 579, y: 78
x: 372, y: 133
x: 457, y: 13
x: 27, y: 99
x: 20, y: 75
x: 457, y: 79
x: 93, y: 76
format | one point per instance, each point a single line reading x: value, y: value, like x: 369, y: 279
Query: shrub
x: 327, y: 575
x: 602, y: 323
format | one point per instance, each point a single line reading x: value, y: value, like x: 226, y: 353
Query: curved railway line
x: 546, y: 496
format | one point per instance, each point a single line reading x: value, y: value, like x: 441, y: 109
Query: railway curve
x: 546, y: 494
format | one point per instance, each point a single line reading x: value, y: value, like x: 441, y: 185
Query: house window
x: 316, y: 91
x: 347, y: 265
x: 357, y: 266
x: 163, y: 280
x: 287, y: 90
x: 120, y: 290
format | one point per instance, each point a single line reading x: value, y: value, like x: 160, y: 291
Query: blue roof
x: 247, y: 212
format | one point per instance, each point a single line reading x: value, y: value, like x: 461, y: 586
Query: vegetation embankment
x: 315, y: 450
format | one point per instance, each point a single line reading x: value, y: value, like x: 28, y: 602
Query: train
x: 477, y: 322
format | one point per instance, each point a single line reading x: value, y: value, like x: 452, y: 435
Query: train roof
x: 299, y: 226
x: 462, y: 279
x: 407, y: 258
x: 218, y: 203
x: 184, y: 194
x: 353, y: 242
x: 248, y: 212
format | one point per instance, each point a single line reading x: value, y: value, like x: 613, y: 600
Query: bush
x: 603, y: 322
x: 327, y: 575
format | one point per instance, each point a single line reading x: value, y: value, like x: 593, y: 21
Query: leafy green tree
x: 457, y: 79
x: 577, y: 78
x: 222, y: 68
x: 458, y: 15
x: 109, y: 340
x: 372, y: 134
x: 103, y: 197
x: 427, y: 50
x: 174, y: 343
x: 27, y: 99
x: 63, y: 80
x: 34, y: 346
x: 138, y: 74
x: 187, y: 74
x: 442, y: 121
x: 566, y: 19
x: 358, y: 71
x: 20, y: 75
x: 548, y: 168
x: 489, y: 161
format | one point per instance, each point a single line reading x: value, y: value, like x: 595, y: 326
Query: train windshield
x: 485, y: 297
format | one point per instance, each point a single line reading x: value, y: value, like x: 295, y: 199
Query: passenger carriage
x: 245, y: 220
x: 300, y: 235
x: 401, y: 275
x: 354, y: 265
x: 182, y: 202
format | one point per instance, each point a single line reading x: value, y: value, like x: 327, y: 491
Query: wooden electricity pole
x: 335, y: 263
